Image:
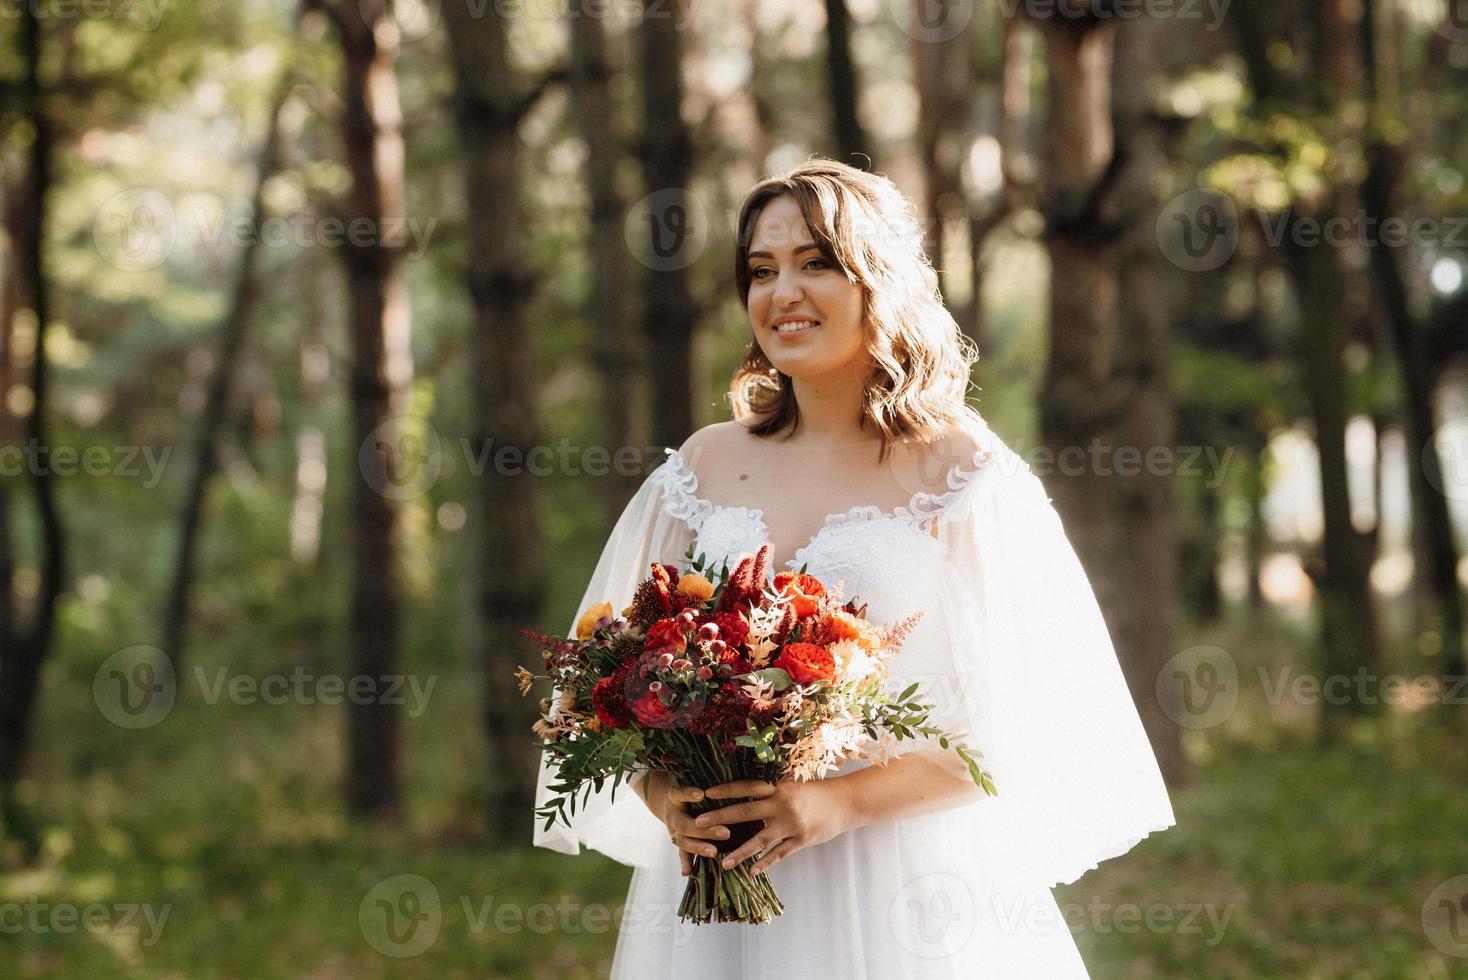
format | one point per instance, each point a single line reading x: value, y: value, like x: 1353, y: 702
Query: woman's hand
x: 796, y: 814
x: 671, y: 808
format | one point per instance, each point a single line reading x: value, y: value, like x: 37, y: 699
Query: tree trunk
x: 1143, y: 623
x: 851, y: 140
x: 1348, y: 625
x: 381, y: 372
x: 764, y: 139
x: 1431, y: 524
x: 1016, y: 168
x: 668, y: 308
x: 939, y: 70
x: 28, y: 645
x: 509, y: 573
x: 231, y: 339
x: 1079, y: 399
x: 616, y: 345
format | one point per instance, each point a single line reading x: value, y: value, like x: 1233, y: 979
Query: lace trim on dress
x: 924, y: 508
x: 680, y: 493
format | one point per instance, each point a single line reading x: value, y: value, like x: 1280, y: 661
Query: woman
x: 852, y: 451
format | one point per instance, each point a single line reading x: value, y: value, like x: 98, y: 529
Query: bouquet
x: 723, y: 678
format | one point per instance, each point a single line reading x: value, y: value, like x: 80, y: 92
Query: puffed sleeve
x: 1039, y: 689
x: 624, y: 829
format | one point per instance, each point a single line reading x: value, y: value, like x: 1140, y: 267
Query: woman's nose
x: 787, y: 291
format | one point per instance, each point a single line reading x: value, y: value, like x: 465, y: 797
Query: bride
x: 852, y: 451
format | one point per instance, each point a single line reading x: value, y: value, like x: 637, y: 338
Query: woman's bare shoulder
x: 702, y: 449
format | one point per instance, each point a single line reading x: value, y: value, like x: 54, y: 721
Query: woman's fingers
x: 763, y: 863
x: 684, y: 794
x: 696, y: 845
x: 755, y: 788
x: 756, y: 844
x: 684, y: 824
x: 735, y: 813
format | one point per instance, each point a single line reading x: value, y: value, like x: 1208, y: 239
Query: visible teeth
x: 795, y: 325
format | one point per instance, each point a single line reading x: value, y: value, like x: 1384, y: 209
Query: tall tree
x: 851, y: 140
x: 379, y: 326
x: 1385, y: 156
x: 231, y: 338
x: 1081, y: 397
x: 988, y: 211
x: 490, y: 100
x: 1143, y: 622
x: 1106, y: 387
x: 670, y: 314
x: 1342, y: 573
x: 943, y: 71
x: 25, y: 646
x: 616, y: 343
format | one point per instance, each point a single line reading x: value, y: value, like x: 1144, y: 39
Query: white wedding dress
x: 1013, y: 652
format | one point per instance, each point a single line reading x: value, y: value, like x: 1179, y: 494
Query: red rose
x: 806, y: 663
x: 664, y: 634
x: 651, y: 711
x: 611, y: 702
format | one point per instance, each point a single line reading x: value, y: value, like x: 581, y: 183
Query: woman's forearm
x: 651, y: 786
x: 908, y: 786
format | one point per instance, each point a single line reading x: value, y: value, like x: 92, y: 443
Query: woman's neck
x: 831, y: 411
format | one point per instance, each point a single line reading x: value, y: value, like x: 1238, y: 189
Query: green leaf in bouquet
x: 776, y: 677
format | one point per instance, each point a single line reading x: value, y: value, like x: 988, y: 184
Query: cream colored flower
x: 853, y: 662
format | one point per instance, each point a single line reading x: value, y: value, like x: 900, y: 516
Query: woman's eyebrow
x: 767, y: 255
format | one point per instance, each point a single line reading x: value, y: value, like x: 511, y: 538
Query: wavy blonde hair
x: 921, y: 360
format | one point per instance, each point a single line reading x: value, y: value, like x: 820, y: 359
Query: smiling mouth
x: 797, y: 326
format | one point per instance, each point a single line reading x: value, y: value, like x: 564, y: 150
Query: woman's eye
x: 819, y: 263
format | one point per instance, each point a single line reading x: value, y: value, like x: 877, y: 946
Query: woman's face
x: 807, y: 316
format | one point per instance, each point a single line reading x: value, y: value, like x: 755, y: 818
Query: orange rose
x: 805, y: 590
x: 586, y: 625
x: 806, y: 663
x: 845, y: 626
x: 696, y: 586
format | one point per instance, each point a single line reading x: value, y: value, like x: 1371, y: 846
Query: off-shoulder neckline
x: 923, y: 509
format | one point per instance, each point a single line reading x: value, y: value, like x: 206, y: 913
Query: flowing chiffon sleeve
x: 618, y: 822
x: 1039, y: 690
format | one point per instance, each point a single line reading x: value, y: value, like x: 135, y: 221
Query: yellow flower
x: 587, y: 623
x: 695, y: 585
